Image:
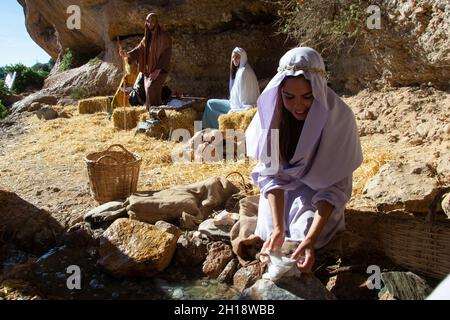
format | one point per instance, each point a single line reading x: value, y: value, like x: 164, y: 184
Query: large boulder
x: 28, y: 227
x: 405, y: 186
x: 132, y: 248
x: 219, y: 254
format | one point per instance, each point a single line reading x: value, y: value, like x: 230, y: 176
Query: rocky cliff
x: 204, y: 34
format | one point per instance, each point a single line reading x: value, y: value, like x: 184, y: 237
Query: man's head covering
x: 328, y: 149
x: 154, y: 45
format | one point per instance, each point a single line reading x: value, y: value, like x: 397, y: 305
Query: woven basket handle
x: 120, y: 146
x: 104, y: 157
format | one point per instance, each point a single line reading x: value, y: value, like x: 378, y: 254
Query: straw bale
x: 131, y: 115
x: 93, y: 105
x: 236, y: 120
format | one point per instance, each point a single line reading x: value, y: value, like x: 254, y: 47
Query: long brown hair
x: 290, y: 129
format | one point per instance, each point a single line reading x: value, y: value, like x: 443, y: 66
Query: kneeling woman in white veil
x: 306, y: 177
x: 244, y: 91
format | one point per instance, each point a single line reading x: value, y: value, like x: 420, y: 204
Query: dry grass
x: 56, y: 149
x: 93, y: 105
x: 374, y: 158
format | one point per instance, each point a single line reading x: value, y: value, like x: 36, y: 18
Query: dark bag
x: 137, y: 95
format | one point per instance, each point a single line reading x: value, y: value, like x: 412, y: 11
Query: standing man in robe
x: 153, y: 56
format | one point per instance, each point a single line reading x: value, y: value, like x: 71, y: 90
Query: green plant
x: 327, y: 26
x: 79, y: 93
x: 25, y: 77
x: 67, y: 60
x: 95, y: 61
x: 4, y: 92
x: 3, y: 110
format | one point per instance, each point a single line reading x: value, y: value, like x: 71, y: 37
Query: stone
x: 225, y: 218
x: 131, y: 248
x: 219, y: 254
x: 304, y: 287
x: 215, y: 232
x: 405, y: 286
x: 423, y: 129
x: 368, y: 115
x: 106, y: 212
x: 26, y: 226
x: 35, y: 106
x: 350, y: 286
x: 246, y: 276
x: 189, y: 222
x: 406, y: 186
x: 64, y: 115
x: 443, y: 167
x: 43, y: 97
x: 446, y: 205
x: 78, y: 236
x: 47, y: 113
x: 227, y: 274
x: 168, y: 227
x: 191, y: 250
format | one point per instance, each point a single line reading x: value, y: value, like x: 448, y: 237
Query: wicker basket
x: 113, y: 175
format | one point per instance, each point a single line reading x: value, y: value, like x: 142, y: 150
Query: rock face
x: 390, y: 55
x: 402, y: 186
x: 204, y: 34
x: 135, y: 249
x: 26, y: 226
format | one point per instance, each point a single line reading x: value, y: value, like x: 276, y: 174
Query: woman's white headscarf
x: 328, y: 149
x: 244, y: 89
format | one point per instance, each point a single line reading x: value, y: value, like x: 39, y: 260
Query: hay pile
x: 93, y: 105
x: 173, y: 119
x: 237, y: 120
x: 127, y: 118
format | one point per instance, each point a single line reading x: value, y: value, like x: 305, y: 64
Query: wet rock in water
x: 168, y: 227
x: 78, y: 236
x: 47, y: 113
x: 28, y: 227
x: 304, y: 287
x: 215, y: 232
x: 407, y: 186
x: 191, y: 250
x: 219, y: 254
x: 350, y: 286
x: 135, y: 249
x: 227, y: 274
x: 247, y: 276
x: 446, y: 204
x: 405, y: 286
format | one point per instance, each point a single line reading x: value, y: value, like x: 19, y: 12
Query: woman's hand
x: 274, y: 243
x: 304, y: 254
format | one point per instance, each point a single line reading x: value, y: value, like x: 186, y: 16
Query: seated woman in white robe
x: 244, y: 91
x: 307, y: 143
